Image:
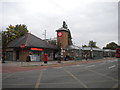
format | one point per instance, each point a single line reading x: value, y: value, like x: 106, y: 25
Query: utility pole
x: 44, y: 34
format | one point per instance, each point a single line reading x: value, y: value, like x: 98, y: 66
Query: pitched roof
x: 31, y: 40
x: 73, y: 47
x: 89, y: 48
x: 62, y: 29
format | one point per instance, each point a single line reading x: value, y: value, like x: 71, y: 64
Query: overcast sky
x: 87, y: 20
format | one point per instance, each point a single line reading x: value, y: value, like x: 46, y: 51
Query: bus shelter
x: 92, y: 53
x: 74, y: 52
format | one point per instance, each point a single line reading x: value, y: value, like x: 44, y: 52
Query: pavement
x: 14, y: 66
x: 23, y: 64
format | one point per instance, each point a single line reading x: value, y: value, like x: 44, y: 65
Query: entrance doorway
x: 17, y: 55
x: 9, y: 56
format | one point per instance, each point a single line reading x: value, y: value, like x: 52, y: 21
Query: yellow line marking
x: 38, y: 80
x: 85, y: 86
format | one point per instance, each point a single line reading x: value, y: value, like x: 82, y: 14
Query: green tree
x: 52, y: 42
x: 69, y: 33
x: 69, y: 38
x: 84, y: 46
x: 13, y: 32
x: 92, y: 44
x: 111, y: 45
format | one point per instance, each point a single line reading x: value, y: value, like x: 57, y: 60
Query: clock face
x: 59, y: 34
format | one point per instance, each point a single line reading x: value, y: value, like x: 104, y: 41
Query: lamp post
x: 91, y: 52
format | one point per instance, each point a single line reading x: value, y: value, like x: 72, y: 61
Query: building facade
x: 33, y: 46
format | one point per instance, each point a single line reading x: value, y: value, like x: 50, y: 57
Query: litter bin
x: 45, y: 58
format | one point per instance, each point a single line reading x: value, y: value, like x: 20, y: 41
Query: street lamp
x: 91, y: 51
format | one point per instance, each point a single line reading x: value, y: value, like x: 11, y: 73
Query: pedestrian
x: 59, y: 58
x: 86, y: 57
x: 28, y: 58
x: 66, y: 57
x: 3, y: 58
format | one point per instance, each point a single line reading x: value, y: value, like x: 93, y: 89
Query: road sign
x: 22, y: 46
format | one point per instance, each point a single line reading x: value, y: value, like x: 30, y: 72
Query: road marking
x: 91, y: 66
x: 111, y: 66
x: 85, y: 86
x: 37, y: 85
x: 11, y: 74
x: 103, y: 75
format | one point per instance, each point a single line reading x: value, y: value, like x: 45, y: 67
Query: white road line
x: 5, y: 77
x: 103, y: 75
x: 91, y: 66
x: 37, y: 85
x: 111, y: 66
x: 84, y: 85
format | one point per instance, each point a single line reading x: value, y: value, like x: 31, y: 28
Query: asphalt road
x: 91, y: 75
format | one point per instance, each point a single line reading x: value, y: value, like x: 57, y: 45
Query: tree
x: 13, y: 32
x: 92, y: 44
x: 69, y: 38
x: 111, y: 45
x: 69, y: 33
x: 84, y: 46
x: 52, y: 42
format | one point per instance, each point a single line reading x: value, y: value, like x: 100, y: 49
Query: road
x: 89, y: 75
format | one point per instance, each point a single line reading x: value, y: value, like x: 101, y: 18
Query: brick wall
x: 63, y: 41
x: 23, y: 55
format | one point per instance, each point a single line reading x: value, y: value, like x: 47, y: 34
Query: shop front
x: 35, y: 54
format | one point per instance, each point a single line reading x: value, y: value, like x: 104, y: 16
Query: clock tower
x: 62, y: 36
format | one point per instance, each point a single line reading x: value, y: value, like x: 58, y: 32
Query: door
x: 9, y: 56
x: 17, y: 55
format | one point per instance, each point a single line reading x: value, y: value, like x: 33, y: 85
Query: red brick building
x: 34, y: 45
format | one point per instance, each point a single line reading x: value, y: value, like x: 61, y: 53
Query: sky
x: 87, y: 20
